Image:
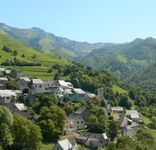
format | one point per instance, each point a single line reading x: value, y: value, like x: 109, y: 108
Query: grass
x: 146, y: 120
x: 47, y: 147
x: 117, y: 89
x: 25, y: 54
x: 23, y: 49
x: 35, y: 71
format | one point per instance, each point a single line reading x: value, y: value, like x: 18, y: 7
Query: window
x: 77, y: 122
x: 40, y: 86
x: 81, y: 121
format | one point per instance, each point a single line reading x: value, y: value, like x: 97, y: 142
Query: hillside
x: 146, y: 78
x: 123, y: 59
x: 48, y: 42
x: 18, y: 55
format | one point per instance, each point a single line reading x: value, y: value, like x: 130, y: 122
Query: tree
x: 112, y: 129
x: 132, y: 95
x: 26, y: 134
x: 75, y: 82
x: 6, y: 121
x: 44, y: 100
x: 52, y: 121
x: 124, y: 102
x: 68, y: 109
x: 97, y: 124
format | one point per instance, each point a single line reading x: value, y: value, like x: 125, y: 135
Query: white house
x: 6, y: 96
x: 93, y: 140
x: 58, y: 92
x: 38, y: 86
x: 61, y: 88
x: 66, y: 145
x: 7, y: 72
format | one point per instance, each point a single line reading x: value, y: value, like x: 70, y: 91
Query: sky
x: 113, y: 21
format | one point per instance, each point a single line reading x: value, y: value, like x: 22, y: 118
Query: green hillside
x: 123, y: 59
x: 146, y: 78
x: 49, y: 43
x: 18, y: 55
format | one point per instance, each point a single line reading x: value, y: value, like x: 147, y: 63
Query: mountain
x: 145, y: 78
x: 123, y: 59
x: 48, y: 42
x: 11, y: 48
x: 15, y: 54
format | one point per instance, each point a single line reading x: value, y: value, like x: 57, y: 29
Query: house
x: 58, y: 92
x: 77, y: 95
x: 131, y: 123
x: 16, y: 74
x: 66, y: 145
x: 117, y: 113
x: 70, y: 127
x: 63, y: 84
x: 19, y: 108
x: 93, y: 140
x: 133, y: 115
x: 24, y: 84
x: 79, y: 118
x: 2, y: 71
x: 4, y: 82
x: 6, y: 96
x: 7, y: 72
x: 131, y: 130
x: 38, y: 86
x: 61, y: 89
x: 117, y: 110
x: 48, y: 85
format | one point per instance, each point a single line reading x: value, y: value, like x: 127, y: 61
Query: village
x: 128, y: 121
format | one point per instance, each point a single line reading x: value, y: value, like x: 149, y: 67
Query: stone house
x: 24, y: 85
x: 79, y: 119
x: 4, y: 82
x: 93, y: 140
x: 77, y: 95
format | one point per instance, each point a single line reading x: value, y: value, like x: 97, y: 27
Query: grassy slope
x: 117, y: 89
x: 146, y: 78
x: 39, y: 71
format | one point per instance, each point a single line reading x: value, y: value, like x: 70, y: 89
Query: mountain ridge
x: 47, y: 42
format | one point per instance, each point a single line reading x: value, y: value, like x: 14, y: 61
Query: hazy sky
x: 84, y: 20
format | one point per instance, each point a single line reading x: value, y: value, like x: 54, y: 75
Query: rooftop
x: 7, y: 93
x: 132, y: 113
x: 25, y: 78
x: 78, y: 91
x: 4, y: 78
x: 65, y: 144
x: 65, y: 84
x: 20, y: 106
x: 2, y: 69
x: 37, y: 81
x: 117, y: 108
